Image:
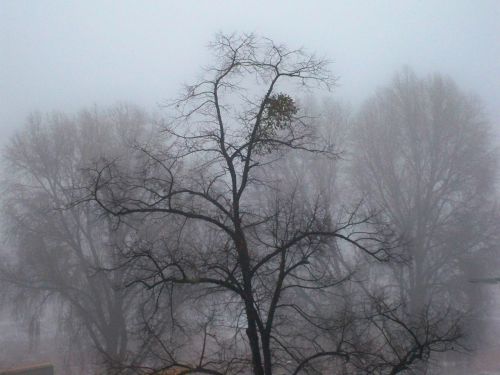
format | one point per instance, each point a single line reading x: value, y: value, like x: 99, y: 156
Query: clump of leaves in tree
x: 279, y: 112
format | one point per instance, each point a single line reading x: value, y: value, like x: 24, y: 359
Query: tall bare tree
x: 260, y: 249
x: 58, y: 251
x: 424, y: 158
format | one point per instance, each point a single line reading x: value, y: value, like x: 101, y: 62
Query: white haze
x: 65, y: 55
x: 68, y: 55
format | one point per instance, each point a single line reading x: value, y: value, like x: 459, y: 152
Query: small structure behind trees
x: 40, y: 369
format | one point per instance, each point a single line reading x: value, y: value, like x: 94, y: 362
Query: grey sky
x: 62, y: 55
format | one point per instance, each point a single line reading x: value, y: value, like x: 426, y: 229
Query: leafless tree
x: 423, y: 157
x: 57, y: 251
x: 264, y: 257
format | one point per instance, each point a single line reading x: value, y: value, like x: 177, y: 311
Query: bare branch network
x: 233, y: 239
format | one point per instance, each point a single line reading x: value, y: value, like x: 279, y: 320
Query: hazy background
x: 65, y: 55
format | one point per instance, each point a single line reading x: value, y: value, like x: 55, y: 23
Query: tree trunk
x: 251, y: 314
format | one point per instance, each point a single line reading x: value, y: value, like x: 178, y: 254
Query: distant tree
x: 59, y: 252
x: 424, y: 158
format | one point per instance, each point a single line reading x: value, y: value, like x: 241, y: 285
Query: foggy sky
x: 62, y: 55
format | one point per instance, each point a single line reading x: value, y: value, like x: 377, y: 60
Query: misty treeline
x: 256, y: 228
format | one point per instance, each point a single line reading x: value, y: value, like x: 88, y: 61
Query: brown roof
x: 34, y: 369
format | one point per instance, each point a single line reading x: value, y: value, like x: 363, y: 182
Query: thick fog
x: 59, y: 55
x: 260, y: 188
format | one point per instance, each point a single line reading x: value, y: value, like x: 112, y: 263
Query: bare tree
x: 261, y: 250
x: 58, y: 251
x: 424, y: 158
